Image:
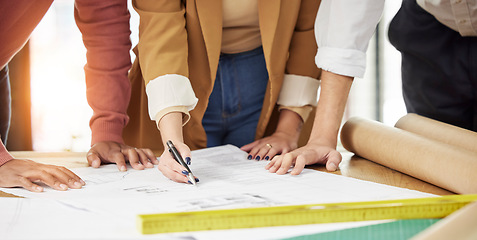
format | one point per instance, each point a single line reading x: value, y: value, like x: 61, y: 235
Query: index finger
x: 300, y: 163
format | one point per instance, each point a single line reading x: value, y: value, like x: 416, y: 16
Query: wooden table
x: 351, y: 166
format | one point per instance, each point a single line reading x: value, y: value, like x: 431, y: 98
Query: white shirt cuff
x: 347, y: 62
x: 168, y: 91
x: 298, y: 91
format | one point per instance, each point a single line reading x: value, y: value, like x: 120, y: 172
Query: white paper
x: 227, y: 180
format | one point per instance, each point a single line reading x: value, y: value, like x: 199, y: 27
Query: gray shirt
x: 459, y: 15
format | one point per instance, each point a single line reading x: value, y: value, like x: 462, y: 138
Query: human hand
x: 24, y: 173
x: 266, y: 148
x: 113, y: 152
x: 309, y: 154
x: 171, y: 168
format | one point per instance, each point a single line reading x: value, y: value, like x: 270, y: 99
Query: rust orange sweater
x: 105, y: 28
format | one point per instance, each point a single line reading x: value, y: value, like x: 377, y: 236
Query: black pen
x: 178, y: 158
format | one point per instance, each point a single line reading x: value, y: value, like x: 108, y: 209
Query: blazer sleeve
x: 105, y: 28
x: 300, y: 84
x: 163, y: 55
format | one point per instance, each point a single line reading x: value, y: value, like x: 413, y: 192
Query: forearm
x: 329, y: 111
x: 105, y: 29
x: 170, y: 126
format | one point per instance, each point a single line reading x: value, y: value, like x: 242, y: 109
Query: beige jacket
x: 184, y: 38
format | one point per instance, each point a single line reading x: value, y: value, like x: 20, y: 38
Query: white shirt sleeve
x: 298, y: 91
x: 343, y: 29
x: 169, y: 90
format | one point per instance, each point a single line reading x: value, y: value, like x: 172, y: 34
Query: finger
x: 270, y: 164
x: 48, y: 179
x: 249, y: 146
x: 143, y: 158
x: 172, y: 174
x: 287, y: 162
x: 118, y: 158
x: 134, y: 159
x: 299, y: 165
x: 253, y: 153
x: 334, y: 160
x: 73, y: 180
x: 263, y: 152
x: 185, y: 154
x: 150, y: 155
x: 93, y: 158
x: 29, y: 185
x: 275, y: 164
x: 271, y: 153
x: 63, y: 176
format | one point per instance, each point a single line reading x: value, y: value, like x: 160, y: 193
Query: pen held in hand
x: 178, y: 158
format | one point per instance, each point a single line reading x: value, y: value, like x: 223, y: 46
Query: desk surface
x: 351, y: 166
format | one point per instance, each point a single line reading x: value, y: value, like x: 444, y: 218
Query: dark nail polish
x: 267, y: 157
x: 257, y: 158
x: 189, y: 182
x: 185, y: 172
x: 188, y: 161
x: 249, y: 157
x: 196, y: 179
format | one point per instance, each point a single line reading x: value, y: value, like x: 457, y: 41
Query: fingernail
x: 333, y: 166
x: 63, y: 186
x: 189, y: 182
x: 257, y: 158
x: 196, y: 179
x: 185, y: 172
x: 149, y: 165
x: 82, y: 182
x: 96, y: 163
x: 188, y: 160
x: 77, y: 184
x: 249, y: 157
x: 123, y: 169
x: 267, y: 157
x: 39, y: 189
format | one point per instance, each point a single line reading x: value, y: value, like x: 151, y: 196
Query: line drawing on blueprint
x: 146, y: 189
x: 105, y: 177
x: 227, y: 201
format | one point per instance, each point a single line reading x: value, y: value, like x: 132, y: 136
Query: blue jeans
x: 236, y: 101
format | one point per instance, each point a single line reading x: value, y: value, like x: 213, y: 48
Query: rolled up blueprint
x: 438, y: 163
x: 439, y: 131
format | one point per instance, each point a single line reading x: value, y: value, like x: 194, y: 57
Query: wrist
x: 289, y: 124
x: 170, y: 127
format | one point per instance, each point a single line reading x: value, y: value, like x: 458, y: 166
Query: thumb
x: 333, y: 162
x: 93, y: 158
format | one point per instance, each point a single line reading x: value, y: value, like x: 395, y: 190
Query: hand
x: 113, y: 152
x: 267, y: 148
x: 23, y: 173
x: 171, y: 168
x: 309, y: 154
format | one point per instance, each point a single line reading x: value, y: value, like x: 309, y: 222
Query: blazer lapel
x: 268, y: 13
x: 210, y: 18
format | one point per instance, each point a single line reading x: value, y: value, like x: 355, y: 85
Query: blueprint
x: 227, y: 180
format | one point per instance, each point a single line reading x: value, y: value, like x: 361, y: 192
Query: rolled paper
x: 439, y: 131
x: 459, y: 225
x: 438, y: 163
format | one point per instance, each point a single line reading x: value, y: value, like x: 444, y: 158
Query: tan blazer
x: 184, y: 37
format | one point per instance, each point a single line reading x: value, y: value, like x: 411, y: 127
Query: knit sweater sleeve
x: 4, y: 155
x: 105, y: 28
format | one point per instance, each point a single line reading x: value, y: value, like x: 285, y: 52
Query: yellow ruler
x: 433, y: 207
